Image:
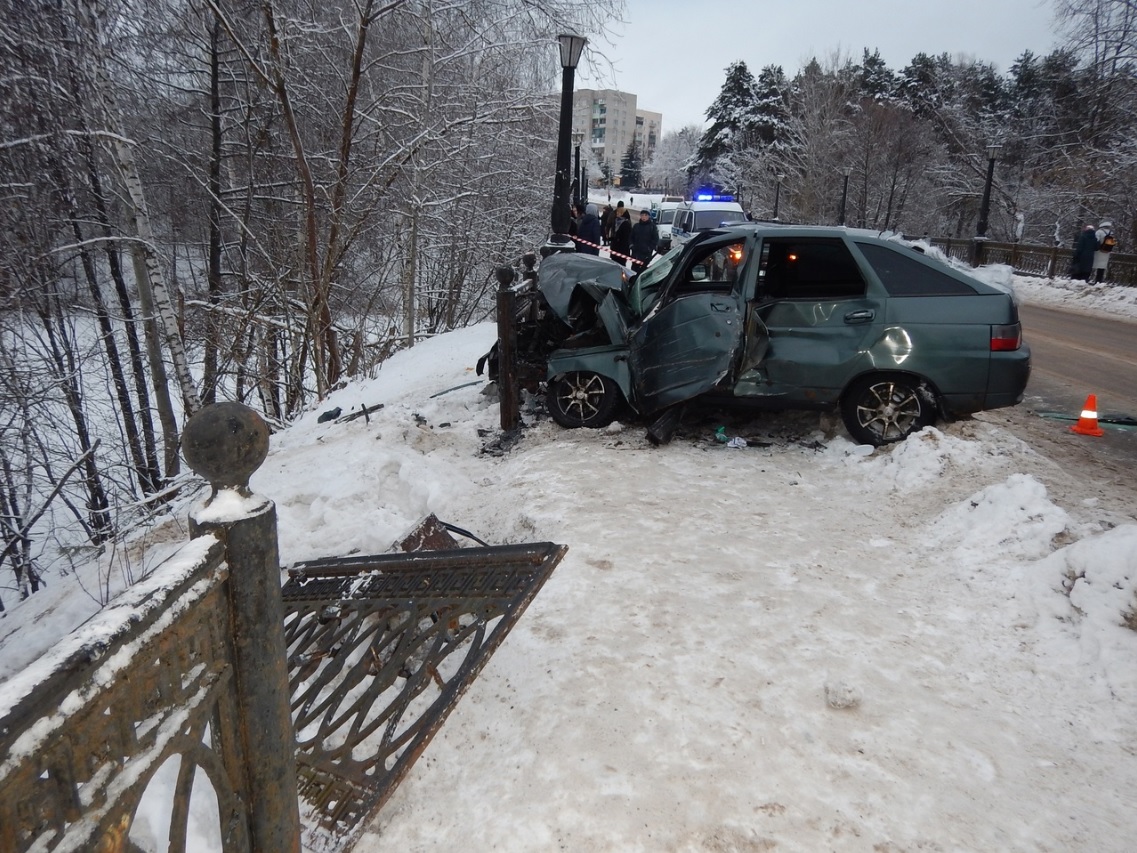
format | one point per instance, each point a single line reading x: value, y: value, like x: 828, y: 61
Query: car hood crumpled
x: 563, y: 273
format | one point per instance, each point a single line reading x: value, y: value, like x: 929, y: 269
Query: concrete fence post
x: 225, y: 443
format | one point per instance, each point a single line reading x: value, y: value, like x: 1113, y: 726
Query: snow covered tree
x: 668, y: 167
x: 875, y: 80
x: 631, y: 166
x: 200, y: 146
x: 768, y: 123
x: 732, y: 130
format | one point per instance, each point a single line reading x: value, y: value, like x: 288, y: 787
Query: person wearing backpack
x: 1082, y: 261
x: 1106, y: 244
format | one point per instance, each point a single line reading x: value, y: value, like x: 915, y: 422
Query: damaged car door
x: 813, y: 320
x: 689, y: 342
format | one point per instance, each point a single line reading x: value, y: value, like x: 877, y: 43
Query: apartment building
x: 610, y: 122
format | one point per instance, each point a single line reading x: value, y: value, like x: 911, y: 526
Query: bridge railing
x: 1035, y: 260
x: 220, y: 699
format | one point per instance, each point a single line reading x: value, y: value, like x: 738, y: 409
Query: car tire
x: 881, y: 409
x: 582, y: 400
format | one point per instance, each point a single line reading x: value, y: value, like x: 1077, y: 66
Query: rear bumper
x: 1006, y: 384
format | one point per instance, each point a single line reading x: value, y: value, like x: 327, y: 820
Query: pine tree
x: 631, y: 167
x: 769, y: 122
x: 732, y: 118
x: 874, y: 78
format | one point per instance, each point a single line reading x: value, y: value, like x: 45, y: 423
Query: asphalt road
x: 1074, y: 355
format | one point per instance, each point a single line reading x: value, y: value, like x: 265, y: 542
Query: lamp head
x: 571, y: 48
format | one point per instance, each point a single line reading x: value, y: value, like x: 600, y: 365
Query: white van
x: 691, y: 217
x: 663, y: 213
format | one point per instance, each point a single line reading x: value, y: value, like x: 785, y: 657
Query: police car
x: 704, y: 212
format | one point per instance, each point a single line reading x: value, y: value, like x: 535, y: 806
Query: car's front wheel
x: 878, y: 410
x: 582, y: 400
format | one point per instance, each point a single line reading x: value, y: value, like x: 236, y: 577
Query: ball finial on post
x: 225, y: 443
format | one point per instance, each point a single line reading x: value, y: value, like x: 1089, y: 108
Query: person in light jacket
x: 1101, y: 256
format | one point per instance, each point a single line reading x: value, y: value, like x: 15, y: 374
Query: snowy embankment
x: 800, y: 643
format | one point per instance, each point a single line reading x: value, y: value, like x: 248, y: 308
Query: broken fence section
x: 380, y: 648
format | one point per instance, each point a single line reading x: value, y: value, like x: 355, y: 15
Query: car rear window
x: 707, y: 219
x: 903, y: 275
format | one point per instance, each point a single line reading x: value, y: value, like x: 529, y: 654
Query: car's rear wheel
x: 878, y: 410
x: 583, y: 400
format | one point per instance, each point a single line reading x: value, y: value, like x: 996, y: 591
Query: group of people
x: 626, y: 241
x: 1091, y: 252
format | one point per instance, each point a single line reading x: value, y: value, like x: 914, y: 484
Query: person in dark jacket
x: 606, y: 217
x: 588, y: 229
x: 1083, y: 261
x: 645, y: 237
x: 620, y: 243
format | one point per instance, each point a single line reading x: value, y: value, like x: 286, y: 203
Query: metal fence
x: 380, y: 650
x: 327, y: 689
x: 149, y: 680
x: 1043, y: 261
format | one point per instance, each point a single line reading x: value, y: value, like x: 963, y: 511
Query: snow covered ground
x: 797, y: 645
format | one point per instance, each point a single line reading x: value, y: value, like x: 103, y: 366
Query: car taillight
x: 1006, y: 338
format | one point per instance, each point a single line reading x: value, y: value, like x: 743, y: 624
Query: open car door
x: 813, y: 321
x: 690, y: 341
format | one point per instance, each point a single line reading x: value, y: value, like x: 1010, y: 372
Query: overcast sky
x: 673, y: 54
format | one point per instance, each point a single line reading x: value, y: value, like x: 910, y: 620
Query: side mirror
x: 664, y: 246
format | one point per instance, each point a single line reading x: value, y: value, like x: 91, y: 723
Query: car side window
x: 714, y: 271
x: 904, y: 275
x: 815, y: 269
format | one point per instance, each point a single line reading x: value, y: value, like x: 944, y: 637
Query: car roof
x: 711, y: 205
x: 857, y: 235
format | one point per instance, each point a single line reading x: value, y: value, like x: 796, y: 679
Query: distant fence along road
x: 1045, y: 261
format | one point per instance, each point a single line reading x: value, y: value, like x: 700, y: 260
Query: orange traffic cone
x: 1088, y: 423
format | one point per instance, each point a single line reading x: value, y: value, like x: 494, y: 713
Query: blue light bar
x: 711, y: 196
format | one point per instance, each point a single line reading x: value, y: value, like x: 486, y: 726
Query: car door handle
x: 862, y: 316
x: 722, y: 306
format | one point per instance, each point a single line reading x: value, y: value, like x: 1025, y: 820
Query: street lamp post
x: 844, y: 196
x: 777, y: 195
x: 559, y: 241
x: 577, y: 138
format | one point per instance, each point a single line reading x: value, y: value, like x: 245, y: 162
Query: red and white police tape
x: 610, y: 252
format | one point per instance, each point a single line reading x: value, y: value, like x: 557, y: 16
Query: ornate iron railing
x: 146, y: 681
x: 209, y: 664
x: 379, y: 650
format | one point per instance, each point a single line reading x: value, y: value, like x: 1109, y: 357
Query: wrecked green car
x: 773, y: 317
